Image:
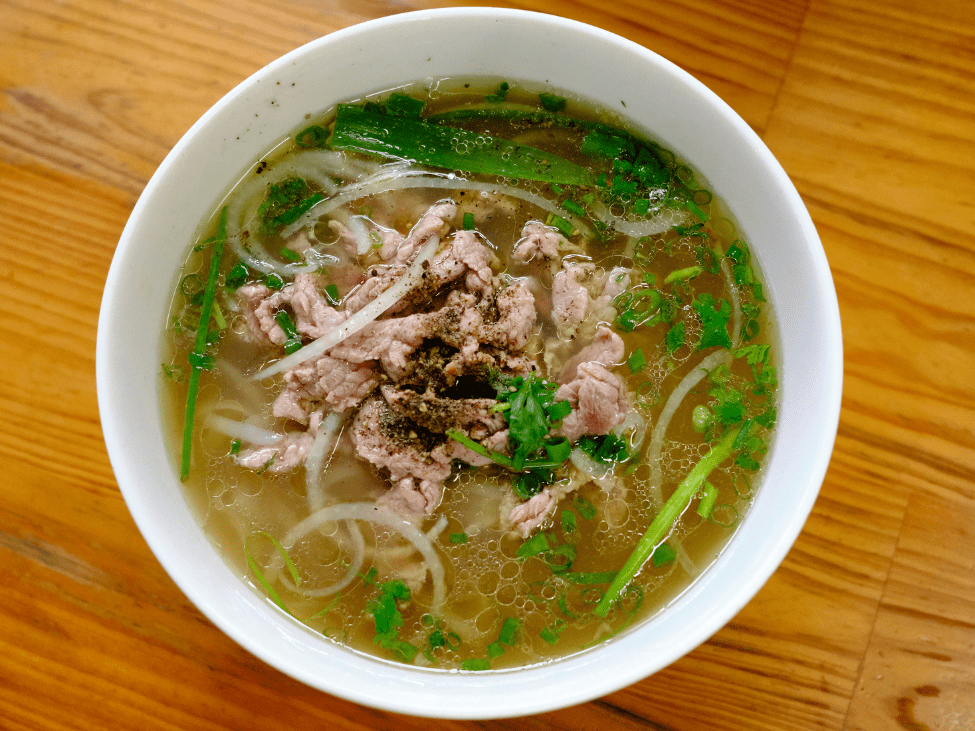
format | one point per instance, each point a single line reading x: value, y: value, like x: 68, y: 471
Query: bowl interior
x: 660, y: 99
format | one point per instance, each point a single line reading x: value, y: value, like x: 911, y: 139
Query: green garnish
x: 235, y: 446
x: 558, y: 450
x: 468, y: 221
x: 273, y: 281
x: 314, y: 136
x: 551, y: 633
x: 529, y: 418
x: 569, y: 524
x: 199, y: 360
x: 332, y: 293
x: 389, y: 620
x: 552, y: 102
x: 682, y: 274
x: 236, y: 276
x: 574, y: 208
x: 290, y: 254
x: 458, y: 538
x: 675, y: 337
x: 565, y: 228
x: 636, y: 362
x: 293, y: 341
x: 446, y: 147
x: 497, y: 457
x: 586, y: 578
x: 286, y: 203
x: 668, y: 514
x: 475, y: 664
x: 586, y: 509
x: 714, y: 316
x: 710, y: 495
x: 604, y: 448
x: 535, y: 545
x: 500, y: 95
x: 402, y: 105
x: 663, y: 554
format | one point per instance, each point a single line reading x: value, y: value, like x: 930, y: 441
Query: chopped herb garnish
x: 458, y: 538
x: 500, y: 95
x: 314, y: 136
x: 235, y: 446
x: 636, y: 362
x: 569, y: 524
x: 586, y: 509
x: 564, y: 227
x: 290, y: 254
x: 714, y: 316
x: 605, y: 448
x: 468, y: 221
x: 293, y: 341
x: 708, y: 498
x: 332, y: 293
x: 675, y: 337
x: 535, y: 545
x: 663, y: 554
x: 273, y: 281
x: 475, y: 664
x: 388, y: 619
x: 682, y: 274
x: 403, y: 105
x: 552, y: 102
x: 236, y: 276
x: 558, y: 449
x: 574, y: 208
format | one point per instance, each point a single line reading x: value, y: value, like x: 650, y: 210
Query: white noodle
x: 242, y: 430
x: 363, y: 317
x: 663, y: 221
x: 735, y: 303
x: 660, y: 430
x: 325, y: 439
x: 355, y: 566
x: 434, y: 533
x: 376, y: 514
x: 414, y: 179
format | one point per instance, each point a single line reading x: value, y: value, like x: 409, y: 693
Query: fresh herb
x: 714, y: 316
x: 565, y: 228
x: 529, y: 414
x: 535, y: 545
x: 683, y: 274
x: 468, y: 221
x: 586, y: 509
x: 198, y: 358
x: 558, y: 449
x: 475, y: 664
x: 293, y: 338
x: 174, y: 373
x: 669, y: 513
x: 551, y: 102
x: 636, y: 361
x: 506, y: 637
x: 388, y: 619
x: 236, y: 277
x: 273, y: 281
x: 569, y: 524
x: 332, y: 293
x: 500, y: 95
x: 458, y: 538
x: 450, y: 148
x: 314, y: 136
x: 708, y: 498
x: 235, y: 446
x: 551, y: 633
x: 604, y: 448
x: 675, y: 337
x: 402, y: 105
x: 290, y: 254
x: 663, y: 554
x: 589, y: 578
x: 285, y: 203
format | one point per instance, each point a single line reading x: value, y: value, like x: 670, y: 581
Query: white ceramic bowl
x: 659, y: 97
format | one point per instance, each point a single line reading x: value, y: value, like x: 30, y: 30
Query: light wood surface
x: 870, y: 621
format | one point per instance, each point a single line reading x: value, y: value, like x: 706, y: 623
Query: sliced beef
x: 570, y: 295
x: 339, y: 383
x: 392, y: 442
x: 540, y: 241
x: 598, y: 401
x: 438, y: 414
x: 606, y: 348
x: 280, y: 457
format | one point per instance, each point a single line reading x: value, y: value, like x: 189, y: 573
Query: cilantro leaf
x: 714, y: 316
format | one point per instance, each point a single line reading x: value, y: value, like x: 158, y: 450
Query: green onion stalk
x: 670, y: 512
x: 197, y: 357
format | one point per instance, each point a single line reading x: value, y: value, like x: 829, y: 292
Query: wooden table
x: 870, y: 621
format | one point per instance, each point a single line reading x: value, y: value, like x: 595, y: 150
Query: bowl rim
x: 591, y: 682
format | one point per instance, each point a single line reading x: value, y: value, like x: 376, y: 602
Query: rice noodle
x: 691, y: 380
x: 377, y: 514
x: 434, y: 533
x: 355, y: 567
x: 419, y: 180
x: 587, y: 465
x: 242, y: 430
x: 735, y: 303
x: 325, y: 439
x: 686, y: 561
x: 638, y: 229
x: 363, y: 317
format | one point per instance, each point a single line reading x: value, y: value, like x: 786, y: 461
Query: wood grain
x: 870, y: 621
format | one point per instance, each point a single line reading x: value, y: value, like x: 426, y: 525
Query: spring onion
x: 667, y: 516
x: 199, y: 361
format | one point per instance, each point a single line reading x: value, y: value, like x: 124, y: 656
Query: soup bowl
x: 660, y: 99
